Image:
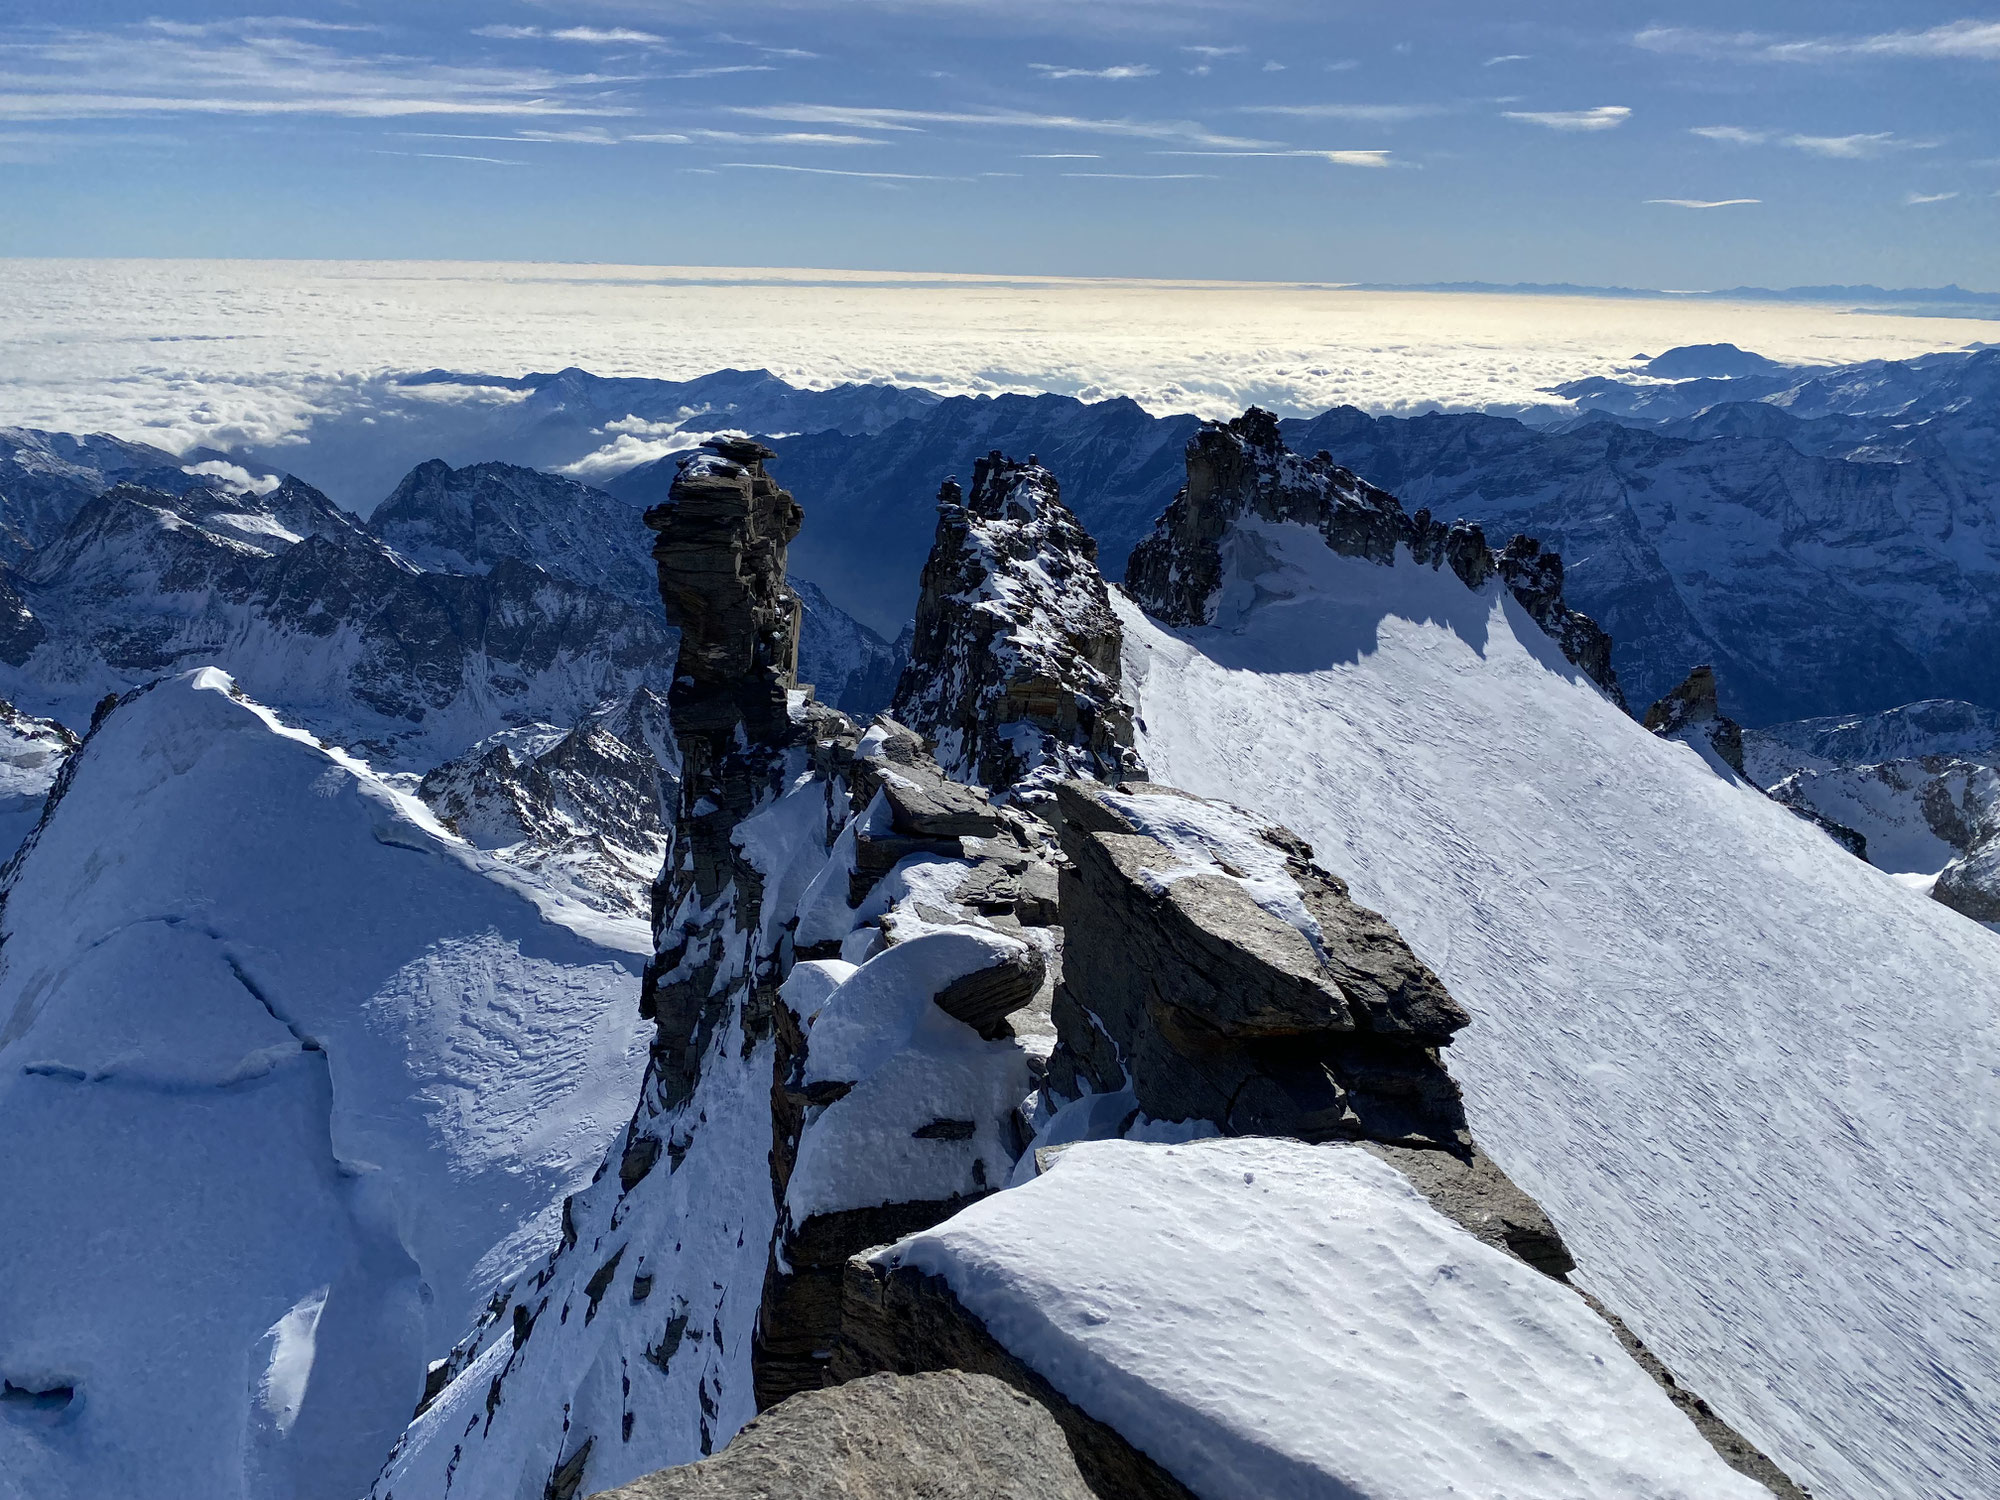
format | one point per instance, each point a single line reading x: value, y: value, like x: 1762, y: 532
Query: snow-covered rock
x: 320, y: 620
x: 448, y: 520
x: 1264, y: 1317
x: 1742, y: 1071
x: 1691, y: 715
x: 32, y: 754
x: 1205, y: 561
x: 1013, y: 673
x: 584, y: 808
x: 1946, y: 727
x: 292, y: 1080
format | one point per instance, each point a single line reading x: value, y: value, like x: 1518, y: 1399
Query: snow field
x: 1262, y: 1317
x: 1749, y: 1077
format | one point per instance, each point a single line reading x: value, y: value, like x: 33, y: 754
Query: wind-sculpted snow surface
x: 1263, y: 1317
x: 1749, y: 1077
x: 290, y: 1081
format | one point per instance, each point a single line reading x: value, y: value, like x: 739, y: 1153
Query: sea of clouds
x: 247, y: 354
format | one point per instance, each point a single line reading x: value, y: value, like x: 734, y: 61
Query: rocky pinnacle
x: 1242, y: 469
x: 722, y: 538
x: 1014, y: 665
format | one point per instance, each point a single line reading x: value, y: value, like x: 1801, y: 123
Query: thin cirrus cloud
x: 1369, y: 158
x: 1506, y: 57
x: 872, y: 117
x: 778, y: 166
x: 1916, y: 198
x: 255, y: 67
x: 604, y: 35
x: 1704, y: 202
x: 1366, y: 114
x: 1118, y: 71
x: 1979, y: 40
x: 1860, y: 146
x: 1603, y: 117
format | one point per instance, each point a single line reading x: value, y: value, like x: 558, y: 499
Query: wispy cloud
x: 784, y: 138
x: 1704, y: 202
x: 868, y: 117
x: 1955, y: 39
x: 1338, y: 158
x: 1061, y: 156
x: 1374, y: 114
x: 1915, y: 198
x: 1506, y: 57
x: 1603, y: 117
x: 1145, y: 176
x: 1120, y: 70
x: 1213, y: 53
x: 491, y: 161
x: 1860, y: 146
x: 1855, y: 147
x: 607, y: 35
x: 778, y: 166
x: 722, y: 70
x: 261, y: 67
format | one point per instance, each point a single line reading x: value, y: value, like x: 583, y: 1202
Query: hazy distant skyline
x: 1774, y: 144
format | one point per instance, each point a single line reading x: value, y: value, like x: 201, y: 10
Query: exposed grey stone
x: 1214, y: 1009
x: 1691, y: 711
x: 941, y: 1435
x: 1242, y: 468
x: 902, y: 1321
x: 984, y: 999
x: 1014, y: 661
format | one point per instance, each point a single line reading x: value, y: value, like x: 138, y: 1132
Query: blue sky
x: 1697, y: 145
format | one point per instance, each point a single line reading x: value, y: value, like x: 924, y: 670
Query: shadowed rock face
x: 1242, y: 469
x: 1014, y: 665
x: 722, y: 535
x: 1691, y: 711
x: 1214, y: 1008
x: 946, y: 1435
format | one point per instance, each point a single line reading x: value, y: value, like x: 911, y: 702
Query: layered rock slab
x: 945, y: 1435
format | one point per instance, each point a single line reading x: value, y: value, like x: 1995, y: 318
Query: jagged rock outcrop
x: 1241, y: 472
x: 1690, y: 713
x: 1210, y: 967
x: 583, y: 807
x: 945, y: 1435
x: 1014, y: 667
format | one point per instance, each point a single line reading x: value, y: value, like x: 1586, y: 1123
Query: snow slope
x: 290, y: 1080
x: 1751, y: 1078
x: 1263, y: 1317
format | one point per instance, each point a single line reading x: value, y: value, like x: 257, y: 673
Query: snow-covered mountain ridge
x: 903, y: 978
x: 1743, y: 1071
x: 293, y: 1080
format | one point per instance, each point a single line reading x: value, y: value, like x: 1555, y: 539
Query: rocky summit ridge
x: 1241, y: 470
x: 899, y: 967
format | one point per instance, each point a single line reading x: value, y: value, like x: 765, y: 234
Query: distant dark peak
x: 1692, y: 711
x: 1710, y: 362
x: 1241, y: 470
